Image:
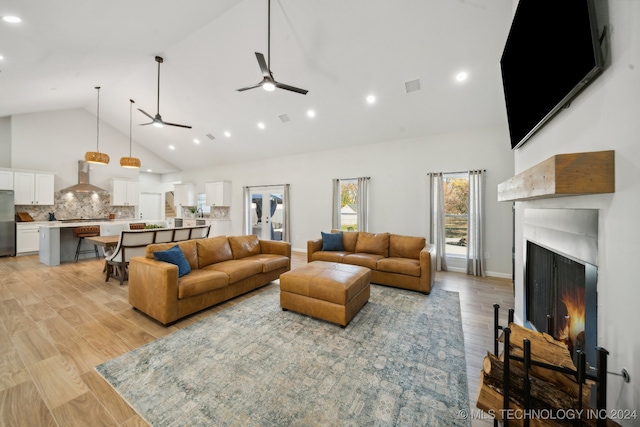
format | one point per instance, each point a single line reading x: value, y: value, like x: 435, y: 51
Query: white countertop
x: 63, y: 224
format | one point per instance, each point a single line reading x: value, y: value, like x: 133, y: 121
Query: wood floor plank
x: 84, y: 410
x: 57, y: 381
x: 115, y: 405
x: 12, y: 370
x: 33, y: 347
x: 22, y: 405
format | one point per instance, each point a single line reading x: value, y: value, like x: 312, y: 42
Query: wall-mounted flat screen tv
x: 552, y: 52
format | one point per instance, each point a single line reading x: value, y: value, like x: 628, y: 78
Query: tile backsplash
x: 78, y: 205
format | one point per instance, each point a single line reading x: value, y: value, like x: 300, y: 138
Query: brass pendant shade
x: 96, y: 157
x: 130, y: 162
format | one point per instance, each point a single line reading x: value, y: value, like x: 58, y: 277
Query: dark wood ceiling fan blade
x: 177, y: 125
x: 249, y: 87
x: 291, y: 88
x: 146, y: 114
x: 263, y: 65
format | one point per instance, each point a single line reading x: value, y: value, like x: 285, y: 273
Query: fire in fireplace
x: 561, y: 298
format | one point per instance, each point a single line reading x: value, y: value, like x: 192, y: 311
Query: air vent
x: 284, y: 118
x: 412, y: 86
x: 211, y: 137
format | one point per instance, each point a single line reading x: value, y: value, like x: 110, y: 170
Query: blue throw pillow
x: 332, y: 241
x: 174, y: 256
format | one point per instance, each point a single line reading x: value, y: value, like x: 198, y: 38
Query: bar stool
x: 81, y: 233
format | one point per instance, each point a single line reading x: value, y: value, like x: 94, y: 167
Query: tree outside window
x: 348, y: 203
x: 456, y: 207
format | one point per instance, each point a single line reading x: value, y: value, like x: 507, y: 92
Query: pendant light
x: 130, y: 162
x: 96, y: 157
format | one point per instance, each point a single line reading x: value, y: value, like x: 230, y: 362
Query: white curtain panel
x: 363, y: 204
x: 436, y: 221
x: 246, y: 218
x: 335, y: 205
x: 475, y: 240
x: 286, y: 214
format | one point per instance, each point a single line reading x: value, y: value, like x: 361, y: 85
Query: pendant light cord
x: 98, y: 122
x: 131, y: 101
x: 269, y: 35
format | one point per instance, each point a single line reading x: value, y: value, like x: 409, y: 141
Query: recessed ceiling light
x: 371, y: 99
x: 149, y: 170
x: 1, y: 57
x: 227, y: 134
x: 11, y: 19
x: 197, y: 141
x: 311, y: 113
x: 461, y: 76
x: 261, y: 125
x: 171, y: 147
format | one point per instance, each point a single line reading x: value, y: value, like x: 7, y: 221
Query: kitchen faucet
x: 201, y: 215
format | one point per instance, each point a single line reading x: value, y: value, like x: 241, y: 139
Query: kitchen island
x: 58, y: 244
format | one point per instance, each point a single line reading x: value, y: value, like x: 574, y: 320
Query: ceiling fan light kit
x: 157, y: 120
x: 96, y: 157
x: 268, y: 83
x: 130, y: 162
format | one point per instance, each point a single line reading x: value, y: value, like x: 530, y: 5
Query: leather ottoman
x: 326, y: 290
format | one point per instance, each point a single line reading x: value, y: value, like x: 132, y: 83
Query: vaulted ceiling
x: 340, y: 50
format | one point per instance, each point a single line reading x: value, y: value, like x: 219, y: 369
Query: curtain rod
x: 265, y: 186
x: 467, y: 171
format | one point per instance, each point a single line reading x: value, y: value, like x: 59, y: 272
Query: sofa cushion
x: 244, y: 246
x: 349, y: 239
x: 370, y: 243
x: 212, y: 250
x: 331, y: 256
x: 174, y: 256
x: 406, y: 266
x: 332, y: 241
x: 237, y: 269
x: 406, y: 246
x: 363, y: 260
x: 188, y: 248
x: 200, y: 282
x: 270, y: 262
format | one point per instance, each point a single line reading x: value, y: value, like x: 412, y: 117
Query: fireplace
x: 560, y: 292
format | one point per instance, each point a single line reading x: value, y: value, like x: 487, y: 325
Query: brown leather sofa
x: 406, y: 262
x: 221, y: 268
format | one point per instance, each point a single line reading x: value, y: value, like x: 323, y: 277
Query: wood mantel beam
x: 562, y: 175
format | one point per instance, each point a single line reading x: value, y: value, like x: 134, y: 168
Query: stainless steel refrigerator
x: 7, y: 224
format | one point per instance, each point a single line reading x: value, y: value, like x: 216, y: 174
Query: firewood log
x: 544, y: 347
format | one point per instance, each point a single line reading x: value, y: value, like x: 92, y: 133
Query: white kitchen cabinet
x: 188, y: 222
x: 218, y: 193
x: 33, y: 188
x: 184, y: 195
x: 125, y: 193
x: 6, y: 180
x: 27, y: 238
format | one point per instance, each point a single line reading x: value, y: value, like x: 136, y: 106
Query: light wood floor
x: 57, y: 323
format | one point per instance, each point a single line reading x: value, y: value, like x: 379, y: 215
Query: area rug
x: 400, y: 362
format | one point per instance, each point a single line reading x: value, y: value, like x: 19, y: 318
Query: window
x: 456, y: 209
x: 202, y: 203
x: 349, y: 204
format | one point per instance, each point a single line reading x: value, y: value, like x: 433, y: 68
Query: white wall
x: 605, y: 116
x: 5, y: 142
x: 399, y: 185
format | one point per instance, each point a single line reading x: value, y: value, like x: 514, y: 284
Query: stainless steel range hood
x: 83, y: 185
